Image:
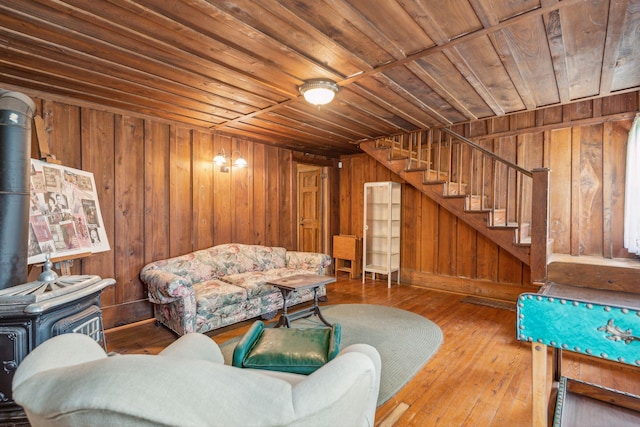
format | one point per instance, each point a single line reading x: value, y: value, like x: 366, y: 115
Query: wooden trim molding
x: 463, y: 285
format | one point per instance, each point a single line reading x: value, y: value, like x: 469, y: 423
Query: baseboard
x: 466, y: 286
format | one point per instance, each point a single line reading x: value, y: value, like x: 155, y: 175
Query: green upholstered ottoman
x: 299, y: 351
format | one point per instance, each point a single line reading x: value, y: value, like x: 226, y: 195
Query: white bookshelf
x: 381, y: 234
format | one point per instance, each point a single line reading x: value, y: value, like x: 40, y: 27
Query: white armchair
x: 70, y: 381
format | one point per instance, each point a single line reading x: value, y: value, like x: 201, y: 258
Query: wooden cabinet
x: 599, y: 323
x: 347, y: 254
x: 381, y: 234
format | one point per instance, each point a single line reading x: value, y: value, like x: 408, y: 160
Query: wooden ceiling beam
x: 429, y: 51
x: 615, y: 25
x: 103, y: 81
x: 462, y: 39
x: 310, y: 143
x: 553, y: 26
x: 30, y: 85
x: 94, y: 91
x: 308, y: 36
x: 314, y: 121
x: 416, y: 101
x: 265, y: 41
x: 433, y: 83
x: 365, y: 26
x: 387, y: 105
x: 304, y: 130
x: 98, y: 38
x: 379, y: 124
x: 507, y: 50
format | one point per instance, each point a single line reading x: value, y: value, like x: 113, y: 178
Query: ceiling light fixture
x: 319, y: 91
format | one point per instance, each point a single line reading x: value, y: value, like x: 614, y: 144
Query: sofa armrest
x: 58, y: 352
x: 165, y: 287
x: 348, y: 385
x: 373, y: 354
x: 194, y: 346
x: 312, y: 261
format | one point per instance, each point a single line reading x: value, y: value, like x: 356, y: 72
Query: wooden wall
x: 584, y: 145
x: 161, y: 195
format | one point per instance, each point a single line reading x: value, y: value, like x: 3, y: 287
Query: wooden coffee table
x: 288, y: 285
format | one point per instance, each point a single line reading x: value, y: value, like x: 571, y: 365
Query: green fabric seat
x: 299, y: 351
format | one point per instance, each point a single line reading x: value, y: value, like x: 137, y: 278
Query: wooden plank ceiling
x: 235, y: 66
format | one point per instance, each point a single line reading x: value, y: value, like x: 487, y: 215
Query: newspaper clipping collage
x: 64, y: 213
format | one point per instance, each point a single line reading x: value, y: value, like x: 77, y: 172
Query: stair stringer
x: 502, y: 236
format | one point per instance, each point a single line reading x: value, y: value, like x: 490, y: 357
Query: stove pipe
x: 16, y: 115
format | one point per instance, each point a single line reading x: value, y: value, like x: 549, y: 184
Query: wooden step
x: 454, y: 189
x: 474, y: 203
x: 498, y: 217
x: 435, y: 176
x: 523, y: 234
x: 415, y: 169
x: 381, y: 147
x: 502, y: 236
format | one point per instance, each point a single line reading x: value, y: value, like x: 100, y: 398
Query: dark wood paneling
x: 128, y: 243
x: 487, y: 257
x: 181, y: 194
x: 123, y: 314
x: 411, y: 215
x: 287, y: 219
x: 221, y: 195
x: 203, y: 196
x: 466, y: 251
x: 447, y: 243
x: 560, y: 223
x: 62, y: 123
x: 614, y: 169
x: 157, y: 226
x: 271, y: 195
x: 428, y: 235
x: 98, y: 156
x: 591, y: 187
x: 584, y: 145
x: 161, y: 195
x: 259, y: 190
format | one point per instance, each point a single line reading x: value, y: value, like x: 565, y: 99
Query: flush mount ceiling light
x: 319, y: 91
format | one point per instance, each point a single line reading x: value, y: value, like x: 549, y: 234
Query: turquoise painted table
x: 597, y: 323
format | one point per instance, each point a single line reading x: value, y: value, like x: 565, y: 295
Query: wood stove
x: 33, y: 312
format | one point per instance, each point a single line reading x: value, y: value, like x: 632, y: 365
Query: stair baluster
x: 463, y: 173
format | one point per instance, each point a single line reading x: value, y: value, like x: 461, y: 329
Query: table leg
x: 316, y: 308
x: 539, y: 392
x: 284, y: 318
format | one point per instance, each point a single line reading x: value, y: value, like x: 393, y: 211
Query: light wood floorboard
x: 480, y: 376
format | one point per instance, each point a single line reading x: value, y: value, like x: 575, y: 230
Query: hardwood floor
x: 480, y: 376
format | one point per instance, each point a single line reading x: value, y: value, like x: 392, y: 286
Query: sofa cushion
x: 299, y: 351
x: 195, y: 266
x: 216, y: 293
x: 236, y: 258
x: 255, y: 282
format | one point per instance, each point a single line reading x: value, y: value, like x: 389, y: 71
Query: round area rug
x: 405, y: 340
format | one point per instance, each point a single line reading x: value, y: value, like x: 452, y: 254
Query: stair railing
x: 488, y: 182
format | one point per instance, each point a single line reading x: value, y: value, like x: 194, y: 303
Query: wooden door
x: 309, y: 208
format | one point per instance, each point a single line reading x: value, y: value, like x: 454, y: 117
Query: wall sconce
x: 221, y: 160
x: 319, y: 91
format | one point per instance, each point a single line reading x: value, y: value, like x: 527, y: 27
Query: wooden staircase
x: 494, y: 196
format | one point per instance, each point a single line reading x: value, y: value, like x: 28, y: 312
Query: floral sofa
x: 215, y: 287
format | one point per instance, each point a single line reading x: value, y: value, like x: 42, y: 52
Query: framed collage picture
x: 64, y: 213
